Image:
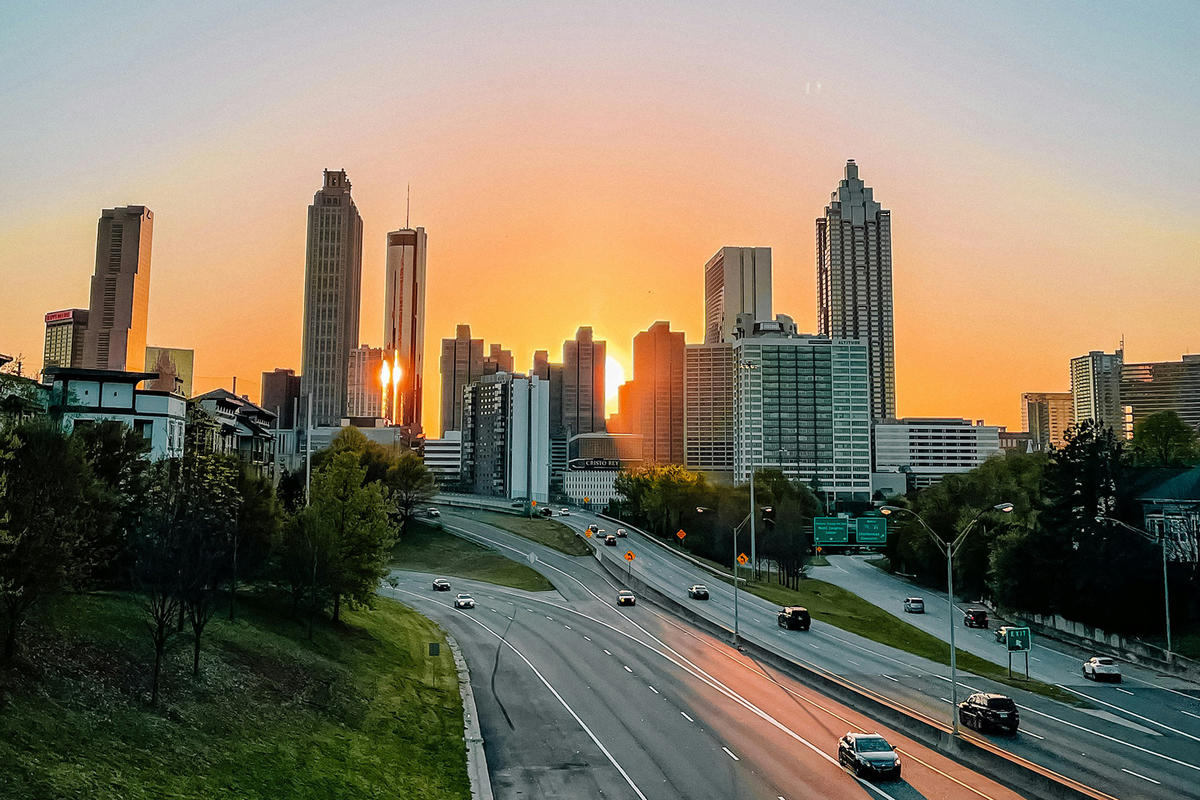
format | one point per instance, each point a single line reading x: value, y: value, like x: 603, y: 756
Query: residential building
x: 737, y: 280
x: 1170, y: 503
x: 120, y: 297
x: 461, y: 365
x: 802, y: 406
x: 1155, y: 386
x: 1015, y: 441
x: 854, y: 281
x: 443, y: 458
x: 281, y: 395
x: 404, y: 321
x: 1096, y: 388
x: 239, y: 427
x: 65, y: 334
x: 21, y: 398
x: 332, y: 293
x: 708, y: 408
x: 930, y: 448
x: 83, y: 396
x: 506, y: 436
x: 365, y: 387
x: 1047, y: 416
x: 175, y: 367
x: 583, y: 383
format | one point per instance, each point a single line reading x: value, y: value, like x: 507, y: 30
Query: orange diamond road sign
x: 587, y: 499
x: 742, y: 558
x: 629, y: 556
x: 818, y: 551
x: 587, y: 534
x: 680, y: 534
x: 535, y: 502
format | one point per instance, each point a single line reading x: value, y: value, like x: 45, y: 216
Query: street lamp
x: 950, y: 549
x: 751, y: 365
x: 736, y: 529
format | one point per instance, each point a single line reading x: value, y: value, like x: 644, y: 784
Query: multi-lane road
x: 631, y: 702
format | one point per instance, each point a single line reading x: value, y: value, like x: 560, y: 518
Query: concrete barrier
x: 1020, y: 775
x: 477, y: 766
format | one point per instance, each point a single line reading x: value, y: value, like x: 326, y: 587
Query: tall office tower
x: 621, y: 421
x: 737, y: 280
x: 116, y: 332
x: 708, y: 408
x: 802, y: 406
x: 497, y: 360
x: 1162, y: 386
x: 583, y: 383
x: 280, y: 391
x: 854, y: 281
x: 1047, y: 416
x: 65, y: 334
x: 332, y: 290
x: 461, y: 364
x: 657, y: 394
x: 364, y: 383
x: 505, y: 436
x: 404, y: 320
x: 1096, y: 388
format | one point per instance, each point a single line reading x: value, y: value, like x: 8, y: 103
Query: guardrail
x: 706, y: 567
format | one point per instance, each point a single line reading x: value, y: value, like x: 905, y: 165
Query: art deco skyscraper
x: 854, y: 282
x: 583, y: 383
x: 332, y: 290
x: 116, y: 328
x: 404, y: 319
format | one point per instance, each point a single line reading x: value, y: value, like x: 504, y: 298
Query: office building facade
x: 332, y: 293
x: 65, y: 334
x: 1047, y: 416
x: 854, y: 281
x: 365, y: 388
x: 708, y: 408
x: 443, y: 458
x: 1096, y: 389
x: 506, y: 436
x: 929, y: 448
x: 280, y: 394
x: 583, y: 383
x: 656, y: 394
x: 404, y: 322
x: 1151, y: 387
x: 461, y: 364
x: 737, y: 280
x: 120, y: 296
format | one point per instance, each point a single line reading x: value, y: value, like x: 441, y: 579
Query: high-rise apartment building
x: 583, y: 383
x: 461, y: 364
x: 280, y: 394
x: 1047, y: 416
x: 404, y: 321
x: 120, y: 298
x: 65, y: 333
x: 1155, y: 386
x: 708, y: 408
x: 854, y: 281
x: 506, y: 436
x: 332, y: 292
x: 737, y: 280
x: 802, y: 406
x: 1096, y: 388
x: 364, y: 383
x: 656, y: 394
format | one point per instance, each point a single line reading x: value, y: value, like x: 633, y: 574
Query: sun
x: 614, y: 376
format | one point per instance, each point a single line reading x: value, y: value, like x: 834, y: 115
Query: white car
x: 562, y: 512
x: 621, y: 532
x: 626, y: 598
x: 914, y: 605
x: 433, y: 512
x: 1002, y: 633
x: 464, y: 601
x: 1102, y: 668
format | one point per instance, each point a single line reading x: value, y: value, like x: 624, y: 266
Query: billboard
x: 170, y: 363
x: 831, y: 530
x: 872, y: 530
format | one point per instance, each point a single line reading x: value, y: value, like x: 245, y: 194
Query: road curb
x: 477, y: 767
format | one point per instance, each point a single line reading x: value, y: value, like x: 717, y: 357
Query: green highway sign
x: 872, y: 530
x: 1019, y: 640
x: 831, y: 530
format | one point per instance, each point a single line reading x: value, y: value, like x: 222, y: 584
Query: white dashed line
x: 568, y: 627
x: 1190, y: 714
x: 1143, y: 777
x: 944, y: 699
x: 550, y: 618
x: 890, y: 678
x: 685, y: 716
x: 607, y: 653
x: 588, y: 638
x: 654, y: 690
x: 1126, y: 691
x: 627, y: 669
x: 729, y: 753
x: 813, y: 646
x: 855, y: 663
x: 1034, y: 735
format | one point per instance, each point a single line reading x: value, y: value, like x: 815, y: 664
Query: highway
x: 1126, y: 745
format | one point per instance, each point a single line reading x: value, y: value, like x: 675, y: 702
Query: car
x: 441, y: 585
x: 984, y: 710
x: 626, y: 598
x: 698, y: 591
x: 622, y: 533
x: 546, y: 512
x: 610, y: 540
x: 1002, y: 632
x: 914, y: 605
x: 464, y: 601
x: 794, y: 618
x: 868, y: 755
x: 562, y: 512
x: 1102, y: 668
x: 433, y: 512
x: 517, y: 504
x: 600, y: 531
x: 975, y: 618
x: 592, y: 529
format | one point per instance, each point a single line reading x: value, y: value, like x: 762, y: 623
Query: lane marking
x: 1190, y: 714
x: 654, y: 690
x: 685, y: 716
x: 588, y: 638
x: 627, y: 669
x: 944, y: 699
x: 1130, y: 713
x: 1143, y: 777
x: 729, y: 753
x: 893, y: 680
x: 1112, y: 739
x: 1034, y: 735
x: 550, y: 618
x: 1126, y: 691
x: 607, y: 653
x: 568, y: 627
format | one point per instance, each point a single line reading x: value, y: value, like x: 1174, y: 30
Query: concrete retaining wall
x: 477, y: 767
x: 1133, y: 650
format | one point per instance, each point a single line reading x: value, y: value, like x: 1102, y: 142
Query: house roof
x: 1169, y: 483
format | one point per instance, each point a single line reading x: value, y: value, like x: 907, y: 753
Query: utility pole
x: 308, y: 452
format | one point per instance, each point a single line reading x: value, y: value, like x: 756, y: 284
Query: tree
x: 256, y: 526
x: 1164, y: 440
x: 116, y: 455
x: 410, y: 484
x: 304, y: 555
x: 158, y: 551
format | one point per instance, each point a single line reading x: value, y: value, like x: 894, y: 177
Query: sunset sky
x: 577, y: 163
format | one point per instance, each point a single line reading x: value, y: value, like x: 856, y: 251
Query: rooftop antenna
x: 408, y: 206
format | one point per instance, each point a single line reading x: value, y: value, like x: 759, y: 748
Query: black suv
x: 975, y: 618
x: 982, y: 711
x: 794, y: 618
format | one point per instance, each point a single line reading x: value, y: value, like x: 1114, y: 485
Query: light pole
x: 750, y: 365
x: 736, y: 530
x: 950, y: 549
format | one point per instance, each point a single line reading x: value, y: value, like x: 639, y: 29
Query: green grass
x: 426, y: 548
x: 549, y: 532
x: 361, y: 710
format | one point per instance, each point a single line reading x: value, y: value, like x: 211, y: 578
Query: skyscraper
x: 854, y: 282
x: 1096, y: 388
x: 364, y: 384
x: 656, y: 394
x: 1047, y: 416
x: 404, y: 319
x: 65, y: 334
x: 280, y: 390
x: 116, y: 332
x: 332, y: 290
x: 583, y: 383
x: 497, y: 360
x: 737, y: 280
x: 708, y: 408
x: 1162, y: 386
x: 461, y: 364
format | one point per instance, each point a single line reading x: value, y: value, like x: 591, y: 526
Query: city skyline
x: 599, y: 190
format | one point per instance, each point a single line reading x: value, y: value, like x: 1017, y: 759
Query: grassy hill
x: 360, y: 711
